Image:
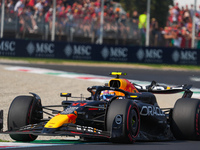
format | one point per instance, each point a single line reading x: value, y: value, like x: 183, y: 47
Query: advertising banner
x: 109, y: 53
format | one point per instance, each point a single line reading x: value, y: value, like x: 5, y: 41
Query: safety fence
x: 72, y: 29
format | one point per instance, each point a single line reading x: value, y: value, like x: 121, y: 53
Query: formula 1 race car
x: 121, y: 112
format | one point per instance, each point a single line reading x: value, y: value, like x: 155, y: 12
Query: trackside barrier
x: 112, y: 53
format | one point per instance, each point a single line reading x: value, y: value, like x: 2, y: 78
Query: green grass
x: 56, y: 141
x: 4, y: 141
x: 117, y: 64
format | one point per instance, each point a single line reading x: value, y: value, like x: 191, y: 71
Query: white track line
x: 81, y: 76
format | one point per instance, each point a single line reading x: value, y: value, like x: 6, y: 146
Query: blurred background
x: 169, y: 23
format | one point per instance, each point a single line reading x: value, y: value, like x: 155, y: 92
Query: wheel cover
x: 133, y: 121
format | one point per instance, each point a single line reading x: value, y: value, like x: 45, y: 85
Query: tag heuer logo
x: 68, y: 50
x: 30, y: 48
x: 105, y: 52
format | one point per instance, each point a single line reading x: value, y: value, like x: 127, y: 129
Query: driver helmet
x: 107, y: 94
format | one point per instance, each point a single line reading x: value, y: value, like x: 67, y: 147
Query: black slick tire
x: 124, y: 114
x: 185, y: 124
x: 22, y: 112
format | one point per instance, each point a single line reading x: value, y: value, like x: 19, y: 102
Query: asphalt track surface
x: 172, y: 77
x: 170, y: 145
x: 168, y: 77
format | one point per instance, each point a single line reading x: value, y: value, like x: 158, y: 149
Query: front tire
x: 123, y: 121
x: 23, y: 110
x: 185, y: 123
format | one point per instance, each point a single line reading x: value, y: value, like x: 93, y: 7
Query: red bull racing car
x: 121, y: 112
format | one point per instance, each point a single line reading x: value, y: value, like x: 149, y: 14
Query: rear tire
x: 185, y: 123
x: 23, y: 111
x: 124, y: 114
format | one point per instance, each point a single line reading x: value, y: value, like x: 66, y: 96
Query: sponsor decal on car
x: 118, y: 119
x: 69, y: 110
x: 88, y: 129
x: 151, y: 111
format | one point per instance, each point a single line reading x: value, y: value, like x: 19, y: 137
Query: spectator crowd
x: 82, y: 18
x: 178, y: 30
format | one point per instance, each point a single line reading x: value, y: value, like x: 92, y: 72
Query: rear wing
x: 163, y: 89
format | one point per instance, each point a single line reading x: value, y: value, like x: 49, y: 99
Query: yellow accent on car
x: 65, y: 94
x: 133, y: 96
x: 61, y: 119
x: 117, y: 73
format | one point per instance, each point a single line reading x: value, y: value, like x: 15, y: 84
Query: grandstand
x: 79, y: 21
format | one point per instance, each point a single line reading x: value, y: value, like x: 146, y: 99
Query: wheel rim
x: 133, y: 122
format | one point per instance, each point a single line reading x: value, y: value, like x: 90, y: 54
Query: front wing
x: 65, y: 130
